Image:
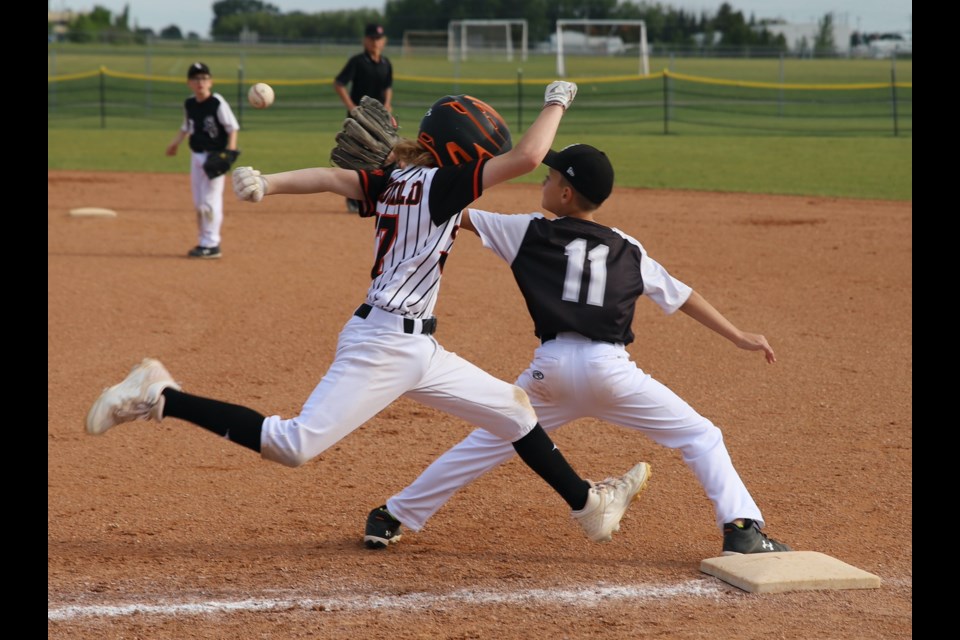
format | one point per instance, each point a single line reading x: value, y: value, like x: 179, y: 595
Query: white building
x: 580, y: 43
x: 797, y: 35
x: 888, y: 44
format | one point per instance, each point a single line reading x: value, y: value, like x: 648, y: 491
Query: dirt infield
x: 166, y: 531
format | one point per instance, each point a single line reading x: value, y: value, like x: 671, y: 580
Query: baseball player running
x: 387, y: 349
x: 581, y: 281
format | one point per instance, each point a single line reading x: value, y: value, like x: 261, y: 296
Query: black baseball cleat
x: 748, y: 539
x: 204, y: 253
x: 382, y: 529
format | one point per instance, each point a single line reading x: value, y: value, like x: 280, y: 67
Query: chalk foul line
x: 586, y: 596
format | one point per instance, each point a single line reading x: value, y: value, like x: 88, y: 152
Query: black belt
x: 547, y: 337
x: 409, y: 325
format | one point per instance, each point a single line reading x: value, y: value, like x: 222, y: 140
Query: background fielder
x: 209, y: 122
x: 581, y: 281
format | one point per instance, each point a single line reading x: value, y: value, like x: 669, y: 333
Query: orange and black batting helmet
x: 459, y: 129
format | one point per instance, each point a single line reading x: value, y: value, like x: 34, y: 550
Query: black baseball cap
x: 586, y: 168
x: 374, y: 31
x: 198, y: 69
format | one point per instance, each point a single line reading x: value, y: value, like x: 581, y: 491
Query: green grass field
x: 756, y: 146
x: 878, y: 168
x: 322, y: 62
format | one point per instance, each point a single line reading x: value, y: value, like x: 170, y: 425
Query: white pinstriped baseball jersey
x: 386, y: 352
x: 418, y: 210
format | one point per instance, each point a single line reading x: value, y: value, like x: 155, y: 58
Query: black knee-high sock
x: 537, y: 450
x: 238, y: 424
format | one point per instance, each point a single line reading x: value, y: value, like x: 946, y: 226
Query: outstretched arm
x: 703, y: 312
x: 533, y: 146
x: 249, y: 184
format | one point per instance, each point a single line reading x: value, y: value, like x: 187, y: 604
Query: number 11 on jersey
x: 577, y: 256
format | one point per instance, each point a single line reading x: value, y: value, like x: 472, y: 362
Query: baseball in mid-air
x: 260, y: 95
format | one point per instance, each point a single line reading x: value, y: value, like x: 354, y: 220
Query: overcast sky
x: 197, y: 15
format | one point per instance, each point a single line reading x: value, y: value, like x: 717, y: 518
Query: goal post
x: 487, y: 35
x: 600, y: 44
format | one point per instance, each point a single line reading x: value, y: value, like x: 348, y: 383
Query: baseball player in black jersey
x: 211, y: 126
x: 581, y: 281
x: 387, y: 349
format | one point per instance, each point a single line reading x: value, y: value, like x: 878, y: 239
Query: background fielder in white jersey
x: 581, y: 281
x: 386, y: 349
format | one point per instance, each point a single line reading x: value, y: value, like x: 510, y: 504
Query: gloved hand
x: 367, y: 137
x: 560, y: 92
x: 219, y: 162
x: 248, y: 184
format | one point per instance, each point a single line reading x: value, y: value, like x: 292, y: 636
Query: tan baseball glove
x: 367, y: 137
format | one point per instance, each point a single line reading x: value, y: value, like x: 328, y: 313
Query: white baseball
x: 260, y: 95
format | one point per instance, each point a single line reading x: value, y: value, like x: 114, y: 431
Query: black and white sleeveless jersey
x: 577, y: 275
x: 208, y: 123
x: 417, y: 214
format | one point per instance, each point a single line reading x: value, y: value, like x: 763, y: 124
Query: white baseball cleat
x: 138, y: 396
x: 607, y: 501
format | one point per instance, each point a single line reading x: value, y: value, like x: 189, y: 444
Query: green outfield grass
x: 318, y: 62
x: 824, y: 142
x: 876, y: 168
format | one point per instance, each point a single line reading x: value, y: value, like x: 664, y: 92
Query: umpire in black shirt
x: 367, y: 74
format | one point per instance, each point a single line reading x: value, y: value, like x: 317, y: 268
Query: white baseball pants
x: 574, y: 377
x: 207, y: 200
x: 376, y: 363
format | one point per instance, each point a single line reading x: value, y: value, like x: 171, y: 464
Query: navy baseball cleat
x: 204, y: 253
x: 382, y: 529
x: 748, y: 539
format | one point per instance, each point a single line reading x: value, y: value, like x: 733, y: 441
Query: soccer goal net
x: 601, y: 38
x: 486, y: 38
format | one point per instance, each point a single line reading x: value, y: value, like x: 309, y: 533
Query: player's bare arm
x: 249, y: 184
x: 703, y: 312
x: 175, y: 143
x: 465, y: 222
x: 529, y: 152
x: 533, y: 146
x: 344, y: 95
x: 315, y: 180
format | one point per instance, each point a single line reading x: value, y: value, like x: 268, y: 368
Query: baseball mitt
x: 219, y: 162
x: 367, y: 137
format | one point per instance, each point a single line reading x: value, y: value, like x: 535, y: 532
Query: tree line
x: 666, y: 25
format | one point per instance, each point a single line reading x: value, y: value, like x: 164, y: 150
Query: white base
x: 787, y: 571
x: 93, y: 212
